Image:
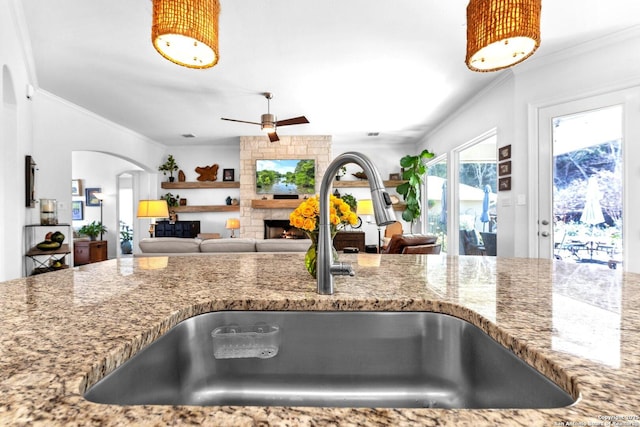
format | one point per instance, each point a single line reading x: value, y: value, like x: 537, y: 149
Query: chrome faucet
x: 382, y: 210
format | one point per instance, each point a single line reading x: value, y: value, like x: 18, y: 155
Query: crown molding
x: 98, y: 118
x: 586, y: 47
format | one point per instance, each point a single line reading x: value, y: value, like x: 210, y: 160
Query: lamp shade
x: 153, y: 209
x: 186, y: 31
x: 365, y: 207
x: 501, y: 33
x: 232, y: 224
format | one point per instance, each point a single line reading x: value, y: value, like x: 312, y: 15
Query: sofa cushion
x: 283, y: 245
x: 228, y: 245
x: 169, y: 245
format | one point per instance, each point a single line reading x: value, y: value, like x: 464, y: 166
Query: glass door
x: 476, y: 190
x: 437, y: 200
x: 580, y: 190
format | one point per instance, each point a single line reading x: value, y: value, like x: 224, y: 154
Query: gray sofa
x: 158, y: 246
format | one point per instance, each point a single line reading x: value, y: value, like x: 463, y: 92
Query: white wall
x: 598, y: 67
x: 188, y: 158
x: 15, y: 142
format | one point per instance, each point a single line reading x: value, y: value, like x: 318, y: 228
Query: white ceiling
x: 350, y: 66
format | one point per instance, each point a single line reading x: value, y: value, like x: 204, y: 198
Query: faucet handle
x: 342, y: 269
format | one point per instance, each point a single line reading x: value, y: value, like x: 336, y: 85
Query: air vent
x: 373, y: 133
x: 188, y: 135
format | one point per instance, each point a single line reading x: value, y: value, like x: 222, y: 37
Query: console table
x: 89, y: 251
x: 188, y: 229
x: 353, y: 239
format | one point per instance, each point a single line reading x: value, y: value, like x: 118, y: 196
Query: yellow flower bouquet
x: 306, y: 216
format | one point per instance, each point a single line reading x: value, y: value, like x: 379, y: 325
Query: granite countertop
x: 62, y: 331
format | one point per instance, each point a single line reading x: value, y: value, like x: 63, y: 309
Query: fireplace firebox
x: 281, y: 229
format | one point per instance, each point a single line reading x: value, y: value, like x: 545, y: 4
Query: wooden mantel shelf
x: 200, y: 184
x: 365, y: 183
x: 206, y: 208
x: 293, y: 203
x: 275, y: 203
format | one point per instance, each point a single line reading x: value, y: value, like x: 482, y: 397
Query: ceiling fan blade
x: 294, y: 121
x: 273, y: 137
x: 240, y: 121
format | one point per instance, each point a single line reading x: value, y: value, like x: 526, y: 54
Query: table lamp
x: 232, y: 224
x: 153, y: 209
x: 365, y: 207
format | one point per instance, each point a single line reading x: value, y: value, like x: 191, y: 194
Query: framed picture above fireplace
x: 285, y: 176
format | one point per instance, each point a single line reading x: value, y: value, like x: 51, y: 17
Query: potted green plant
x: 126, y: 236
x: 169, y: 166
x: 414, y: 171
x: 172, y: 200
x: 92, y: 230
x: 341, y: 172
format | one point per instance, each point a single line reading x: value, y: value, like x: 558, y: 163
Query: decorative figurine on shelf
x: 228, y: 200
x: 169, y: 166
x: 181, y: 176
x: 360, y: 175
x: 207, y: 173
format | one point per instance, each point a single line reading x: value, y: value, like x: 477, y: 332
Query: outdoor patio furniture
x: 470, y: 244
x: 490, y: 243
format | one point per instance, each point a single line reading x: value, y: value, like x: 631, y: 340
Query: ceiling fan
x: 268, y: 122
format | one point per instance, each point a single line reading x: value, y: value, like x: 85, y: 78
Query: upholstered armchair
x: 389, y: 232
x: 412, y: 243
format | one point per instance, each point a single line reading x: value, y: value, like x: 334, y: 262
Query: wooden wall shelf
x: 200, y: 184
x: 205, y: 208
x: 293, y: 203
x: 364, y: 183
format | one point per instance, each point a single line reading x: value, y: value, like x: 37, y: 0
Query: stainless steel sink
x: 341, y: 359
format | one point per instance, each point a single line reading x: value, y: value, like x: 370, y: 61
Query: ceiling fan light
x: 186, y: 31
x: 501, y: 33
x: 268, y: 123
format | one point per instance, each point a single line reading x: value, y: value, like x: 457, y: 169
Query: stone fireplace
x: 252, y: 148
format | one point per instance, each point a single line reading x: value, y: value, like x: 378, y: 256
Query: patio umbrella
x: 484, y: 217
x: 592, y: 212
x: 443, y: 203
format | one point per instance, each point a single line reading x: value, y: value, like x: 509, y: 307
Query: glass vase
x: 311, y: 257
x: 48, y: 212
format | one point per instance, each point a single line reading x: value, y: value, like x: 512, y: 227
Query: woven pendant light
x: 501, y: 33
x: 186, y: 31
